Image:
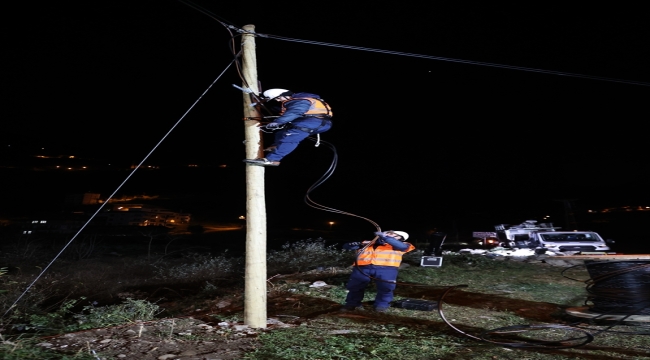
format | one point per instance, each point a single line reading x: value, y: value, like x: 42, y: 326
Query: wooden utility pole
x: 255, y: 287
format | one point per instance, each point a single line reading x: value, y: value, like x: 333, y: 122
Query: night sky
x: 418, y: 140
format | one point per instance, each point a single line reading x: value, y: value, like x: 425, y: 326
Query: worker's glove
x: 380, y: 233
x: 352, y: 246
x: 273, y: 125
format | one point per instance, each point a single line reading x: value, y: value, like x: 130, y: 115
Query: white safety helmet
x: 403, y: 234
x: 273, y: 93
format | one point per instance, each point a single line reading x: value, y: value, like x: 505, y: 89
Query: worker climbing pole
x: 301, y: 115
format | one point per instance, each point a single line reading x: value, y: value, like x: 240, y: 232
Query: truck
x: 546, y: 237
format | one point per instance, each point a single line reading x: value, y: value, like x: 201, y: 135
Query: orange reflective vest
x: 383, y: 255
x: 318, y: 107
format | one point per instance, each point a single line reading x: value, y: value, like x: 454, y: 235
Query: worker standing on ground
x: 300, y: 115
x: 380, y: 261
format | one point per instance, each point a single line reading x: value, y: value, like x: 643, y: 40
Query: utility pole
x: 255, y: 277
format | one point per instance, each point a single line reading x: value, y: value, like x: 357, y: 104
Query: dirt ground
x: 176, y: 338
x: 206, y: 337
x: 208, y: 334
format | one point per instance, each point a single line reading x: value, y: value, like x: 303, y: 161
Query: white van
x: 569, y: 241
x: 531, y: 235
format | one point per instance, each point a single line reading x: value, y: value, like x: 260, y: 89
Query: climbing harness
x: 317, y: 108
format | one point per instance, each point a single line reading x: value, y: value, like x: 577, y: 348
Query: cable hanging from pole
x: 324, y: 178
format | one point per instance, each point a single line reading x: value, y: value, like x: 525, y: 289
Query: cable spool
x: 619, y: 287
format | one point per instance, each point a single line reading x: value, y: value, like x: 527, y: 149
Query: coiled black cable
x: 617, y: 287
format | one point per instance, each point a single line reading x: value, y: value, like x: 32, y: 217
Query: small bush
x: 28, y: 348
x: 200, y: 267
x: 305, y: 254
x: 128, y: 311
x: 65, y: 320
x: 46, y: 291
x: 44, y: 322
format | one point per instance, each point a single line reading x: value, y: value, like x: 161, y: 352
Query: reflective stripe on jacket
x: 317, y: 107
x: 383, y: 255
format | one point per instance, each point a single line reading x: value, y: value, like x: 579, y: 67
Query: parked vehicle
x: 485, y: 239
x: 545, y: 236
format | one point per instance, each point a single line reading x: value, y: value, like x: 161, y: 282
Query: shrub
x: 305, y: 254
x: 128, y: 311
x: 45, y: 322
x: 65, y: 320
x: 200, y: 267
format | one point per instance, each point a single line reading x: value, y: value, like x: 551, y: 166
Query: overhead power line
x: 421, y: 56
x: 460, y: 61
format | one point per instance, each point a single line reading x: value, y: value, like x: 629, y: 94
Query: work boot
x: 381, y: 310
x: 262, y: 162
x: 348, y: 308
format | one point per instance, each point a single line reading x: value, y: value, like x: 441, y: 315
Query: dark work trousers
x: 386, y: 277
x: 286, y: 140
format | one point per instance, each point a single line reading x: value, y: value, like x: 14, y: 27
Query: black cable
x: 567, y: 343
x: 421, y: 56
x: 199, y: 8
x: 606, y: 302
x: 523, y: 343
x: 604, y: 288
x: 318, y: 206
x: 324, y: 178
x: 460, y: 61
x: 229, y: 27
